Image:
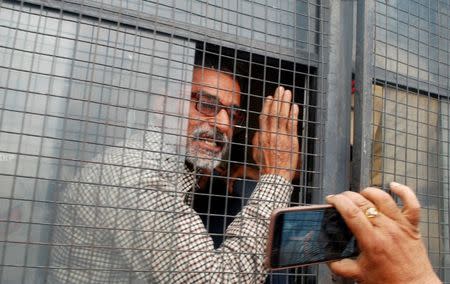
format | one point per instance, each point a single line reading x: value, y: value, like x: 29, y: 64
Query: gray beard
x: 207, y: 160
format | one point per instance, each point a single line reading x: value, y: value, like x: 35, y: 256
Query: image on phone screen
x: 310, y: 236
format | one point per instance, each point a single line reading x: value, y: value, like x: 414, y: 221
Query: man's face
x: 211, y: 117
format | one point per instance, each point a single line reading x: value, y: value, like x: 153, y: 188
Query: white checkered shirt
x: 126, y: 220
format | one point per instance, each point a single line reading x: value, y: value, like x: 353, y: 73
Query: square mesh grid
x: 96, y: 103
x: 410, y: 112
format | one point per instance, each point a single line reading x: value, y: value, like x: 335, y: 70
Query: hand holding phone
x: 309, y: 234
x: 392, y: 250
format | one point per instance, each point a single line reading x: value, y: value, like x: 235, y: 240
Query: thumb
x: 347, y: 268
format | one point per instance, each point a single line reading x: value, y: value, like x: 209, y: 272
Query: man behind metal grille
x: 129, y: 219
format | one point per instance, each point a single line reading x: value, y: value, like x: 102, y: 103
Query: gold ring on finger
x: 371, y: 212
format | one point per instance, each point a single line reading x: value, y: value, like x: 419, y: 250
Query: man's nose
x: 221, y: 121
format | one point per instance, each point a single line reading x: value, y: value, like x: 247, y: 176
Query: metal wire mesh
x: 410, y: 111
x: 95, y: 110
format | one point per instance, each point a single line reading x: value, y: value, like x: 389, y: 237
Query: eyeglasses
x: 210, y: 105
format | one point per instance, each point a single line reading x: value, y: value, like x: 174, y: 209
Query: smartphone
x: 306, y: 235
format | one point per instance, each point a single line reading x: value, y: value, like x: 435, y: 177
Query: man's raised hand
x: 276, y: 143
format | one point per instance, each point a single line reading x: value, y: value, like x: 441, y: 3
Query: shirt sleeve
x: 125, y: 220
x: 97, y: 227
x: 240, y: 259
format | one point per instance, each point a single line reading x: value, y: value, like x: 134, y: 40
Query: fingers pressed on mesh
x: 275, y: 110
x: 284, y: 109
x: 293, y: 124
x: 263, y: 118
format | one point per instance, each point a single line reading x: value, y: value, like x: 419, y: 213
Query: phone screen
x: 310, y: 236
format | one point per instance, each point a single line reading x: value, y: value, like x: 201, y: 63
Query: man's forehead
x: 217, y: 83
x: 215, y: 79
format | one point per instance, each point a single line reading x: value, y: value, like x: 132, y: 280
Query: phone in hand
x: 306, y: 235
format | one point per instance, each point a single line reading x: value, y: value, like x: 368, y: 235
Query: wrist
x: 286, y: 175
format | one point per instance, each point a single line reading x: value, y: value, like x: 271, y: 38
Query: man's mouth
x: 207, y: 147
x: 216, y: 143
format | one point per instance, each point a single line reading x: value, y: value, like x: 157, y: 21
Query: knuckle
x: 352, y: 212
x: 397, y: 234
x: 359, y: 200
x: 413, y: 216
x: 376, y: 246
x: 385, y: 198
x: 415, y: 208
